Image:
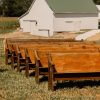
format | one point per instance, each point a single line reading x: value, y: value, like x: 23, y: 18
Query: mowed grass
x: 8, y: 24
x: 15, y: 86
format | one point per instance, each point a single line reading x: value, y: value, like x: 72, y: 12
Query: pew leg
x: 27, y: 67
x: 37, y: 72
x: 51, y: 78
x: 12, y: 60
x: 6, y: 57
x: 18, y: 63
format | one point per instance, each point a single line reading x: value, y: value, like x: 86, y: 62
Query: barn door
x: 33, y: 27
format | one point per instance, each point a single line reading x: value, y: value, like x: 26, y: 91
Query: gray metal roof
x: 72, y: 6
x: 69, y: 6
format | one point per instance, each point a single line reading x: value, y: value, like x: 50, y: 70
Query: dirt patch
x: 20, y: 34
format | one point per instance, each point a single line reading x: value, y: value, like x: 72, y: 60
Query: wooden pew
x: 73, y: 66
x: 20, y: 57
x: 9, y: 41
x: 39, y: 44
x: 8, y: 53
x: 14, y: 55
x: 42, y: 61
x: 14, y: 40
x: 46, y: 46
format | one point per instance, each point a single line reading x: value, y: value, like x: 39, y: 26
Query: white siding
x: 26, y: 26
x: 98, y: 7
x: 41, y: 13
x: 76, y: 22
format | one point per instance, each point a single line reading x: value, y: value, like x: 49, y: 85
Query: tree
x: 97, y: 2
x: 14, y: 8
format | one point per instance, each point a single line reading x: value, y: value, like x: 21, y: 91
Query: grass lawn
x: 8, y: 24
x: 15, y: 86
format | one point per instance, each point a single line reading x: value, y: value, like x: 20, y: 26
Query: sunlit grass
x: 8, y: 24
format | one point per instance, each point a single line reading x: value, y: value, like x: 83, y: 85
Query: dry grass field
x: 8, y: 24
x: 8, y: 19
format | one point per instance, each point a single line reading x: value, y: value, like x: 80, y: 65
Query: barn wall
x: 75, y: 22
x: 43, y: 15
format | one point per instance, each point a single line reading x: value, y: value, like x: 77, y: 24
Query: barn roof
x: 69, y: 6
x: 98, y: 6
x: 72, y: 6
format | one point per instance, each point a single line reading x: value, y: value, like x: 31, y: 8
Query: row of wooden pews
x: 58, y: 59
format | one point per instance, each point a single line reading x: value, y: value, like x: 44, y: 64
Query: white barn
x: 98, y: 6
x: 45, y: 17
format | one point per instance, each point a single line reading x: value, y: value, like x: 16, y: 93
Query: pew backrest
x: 75, y: 62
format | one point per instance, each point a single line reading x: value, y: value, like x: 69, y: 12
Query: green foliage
x: 14, y: 8
x: 97, y: 2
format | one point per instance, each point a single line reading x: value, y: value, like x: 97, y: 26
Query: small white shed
x: 45, y: 17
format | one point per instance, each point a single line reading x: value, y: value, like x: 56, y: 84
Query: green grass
x: 15, y: 86
x: 8, y: 24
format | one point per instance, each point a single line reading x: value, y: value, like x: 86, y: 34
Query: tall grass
x: 8, y: 24
x: 15, y: 86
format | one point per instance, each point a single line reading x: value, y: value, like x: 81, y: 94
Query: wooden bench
x: 9, y: 41
x: 73, y: 66
x: 19, y: 51
x: 8, y: 52
x: 46, y: 46
x: 20, y: 58
x: 43, y: 44
x: 41, y: 57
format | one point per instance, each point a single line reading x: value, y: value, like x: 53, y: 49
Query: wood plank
x: 76, y: 62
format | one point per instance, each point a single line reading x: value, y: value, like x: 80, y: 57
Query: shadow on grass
x: 44, y: 79
x: 32, y: 74
x: 78, y: 84
x: 3, y: 70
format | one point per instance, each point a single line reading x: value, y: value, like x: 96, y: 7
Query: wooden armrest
x: 36, y: 55
x: 50, y: 60
x: 26, y: 53
x: 17, y: 48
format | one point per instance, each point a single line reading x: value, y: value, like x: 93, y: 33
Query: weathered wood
x: 41, y: 59
x: 44, y: 48
x: 73, y: 66
x: 37, y: 71
x: 21, y: 59
x: 50, y: 73
x: 43, y: 45
x: 27, y: 63
x: 6, y: 56
x: 12, y: 60
x: 18, y: 62
x: 50, y: 42
x: 76, y: 62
